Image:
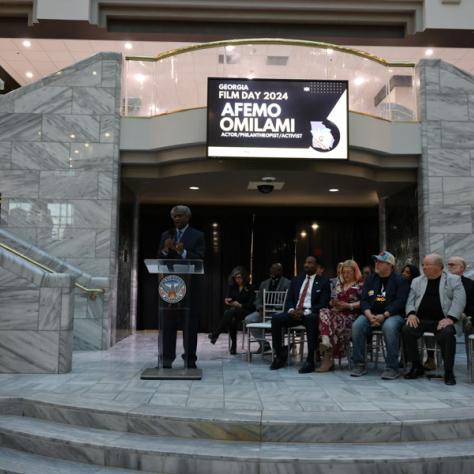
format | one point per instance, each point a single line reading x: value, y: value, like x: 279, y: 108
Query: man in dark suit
x: 308, y: 293
x: 181, y: 242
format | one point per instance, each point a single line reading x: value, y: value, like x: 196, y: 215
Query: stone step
x: 20, y: 462
x: 177, y: 455
x: 305, y: 427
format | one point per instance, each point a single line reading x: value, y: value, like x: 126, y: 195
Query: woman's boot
x: 327, y: 362
x: 233, y: 346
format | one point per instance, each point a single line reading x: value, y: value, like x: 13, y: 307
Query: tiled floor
x: 232, y: 383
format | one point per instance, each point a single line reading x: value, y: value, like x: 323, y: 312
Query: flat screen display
x: 273, y: 118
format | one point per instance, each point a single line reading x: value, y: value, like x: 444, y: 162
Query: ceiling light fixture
x: 429, y: 52
x: 194, y: 188
x: 303, y: 234
x: 334, y: 190
x: 26, y: 43
x: 128, y: 45
x: 29, y: 74
x: 314, y: 226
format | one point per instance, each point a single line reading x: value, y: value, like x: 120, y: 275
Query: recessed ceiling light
x: 128, y: 45
x: 72, y: 135
x: 230, y: 48
x: 215, y: 224
x: 314, y: 226
x: 429, y: 52
x: 334, y: 190
x: 329, y: 51
x: 26, y: 43
x: 194, y: 188
x: 29, y: 74
x: 359, y: 81
x: 303, y: 234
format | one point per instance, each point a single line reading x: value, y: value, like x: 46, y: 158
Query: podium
x: 174, y: 305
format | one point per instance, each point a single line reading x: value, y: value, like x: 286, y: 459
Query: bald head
x: 276, y: 270
x: 433, y: 266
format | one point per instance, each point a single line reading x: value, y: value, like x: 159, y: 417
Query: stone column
x: 60, y: 176
x: 446, y: 171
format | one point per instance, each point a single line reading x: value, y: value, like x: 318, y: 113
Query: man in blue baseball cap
x: 382, y: 306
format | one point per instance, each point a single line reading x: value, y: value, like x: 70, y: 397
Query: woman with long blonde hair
x: 335, y: 322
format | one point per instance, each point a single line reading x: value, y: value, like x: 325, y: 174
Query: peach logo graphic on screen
x: 172, y: 289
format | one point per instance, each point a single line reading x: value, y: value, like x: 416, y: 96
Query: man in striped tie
x: 308, y: 293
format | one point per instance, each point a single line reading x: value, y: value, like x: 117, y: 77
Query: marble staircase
x: 176, y: 441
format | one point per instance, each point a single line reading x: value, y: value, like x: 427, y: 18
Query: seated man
x: 308, y: 293
x: 382, y: 305
x: 457, y: 266
x: 435, y: 303
x: 276, y: 282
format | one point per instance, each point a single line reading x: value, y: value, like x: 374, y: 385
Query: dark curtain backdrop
x: 341, y: 234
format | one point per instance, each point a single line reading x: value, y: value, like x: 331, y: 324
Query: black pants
x: 231, y: 320
x: 282, y: 321
x: 445, y: 338
x: 172, y: 320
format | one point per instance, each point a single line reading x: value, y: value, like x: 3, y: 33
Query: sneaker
x: 390, y: 374
x: 359, y: 370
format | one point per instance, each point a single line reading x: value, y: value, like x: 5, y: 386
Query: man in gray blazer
x: 276, y: 282
x: 436, y: 301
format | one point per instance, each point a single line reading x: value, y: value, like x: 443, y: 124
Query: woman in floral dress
x: 335, y: 322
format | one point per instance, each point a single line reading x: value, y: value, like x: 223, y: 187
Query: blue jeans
x: 391, y: 329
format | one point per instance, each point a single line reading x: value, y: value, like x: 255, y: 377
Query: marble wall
x: 36, y: 318
x: 59, y: 177
x: 446, y: 171
x: 401, y: 226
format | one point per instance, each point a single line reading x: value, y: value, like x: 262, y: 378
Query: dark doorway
x: 255, y: 237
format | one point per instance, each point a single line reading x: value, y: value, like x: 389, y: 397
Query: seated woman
x: 410, y: 272
x: 335, y: 323
x: 239, y: 303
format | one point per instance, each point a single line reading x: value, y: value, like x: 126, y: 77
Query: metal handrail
x: 280, y: 41
x: 92, y: 292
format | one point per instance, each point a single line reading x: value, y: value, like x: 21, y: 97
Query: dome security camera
x: 265, y: 188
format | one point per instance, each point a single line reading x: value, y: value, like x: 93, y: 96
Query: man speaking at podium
x: 181, y: 242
